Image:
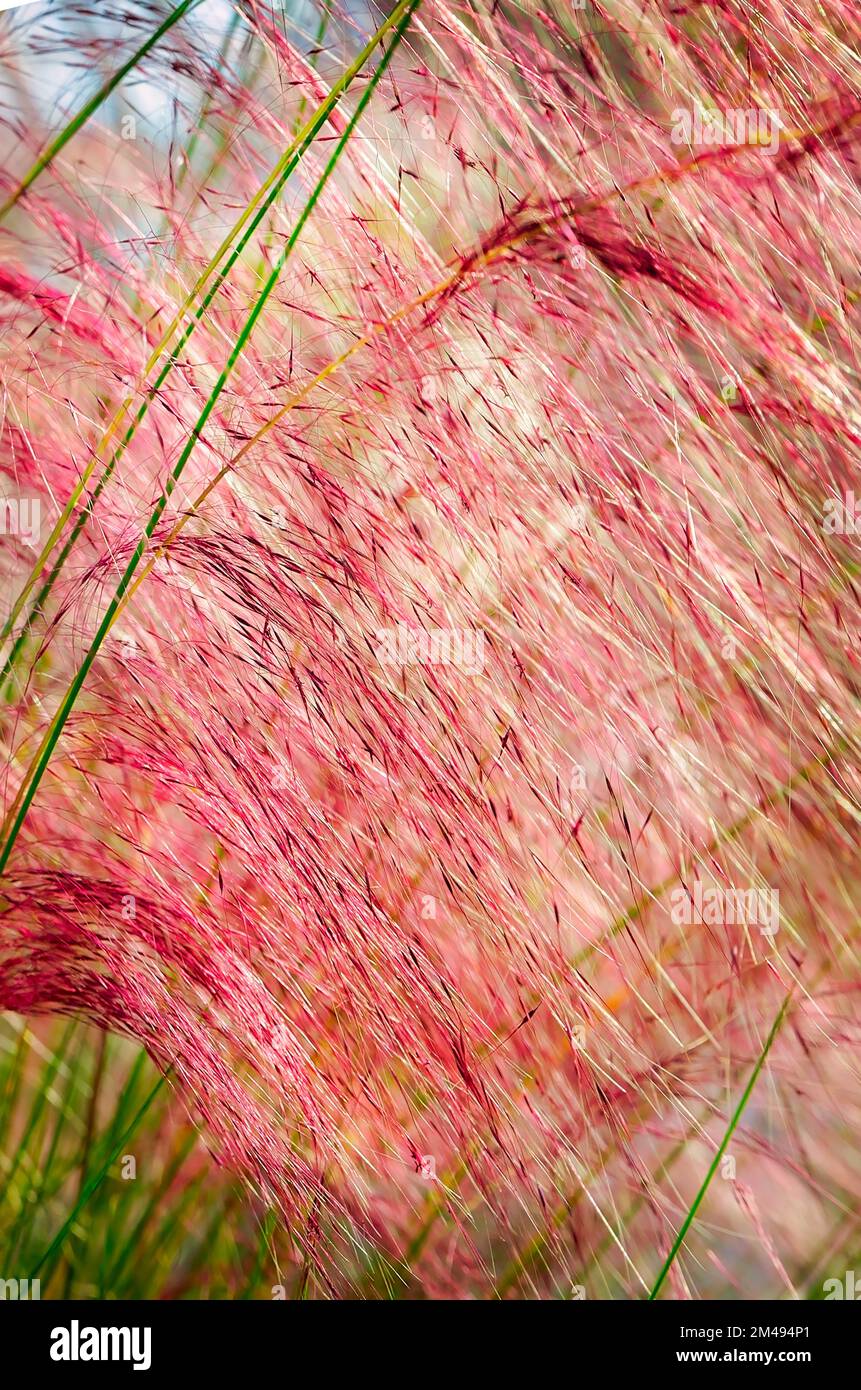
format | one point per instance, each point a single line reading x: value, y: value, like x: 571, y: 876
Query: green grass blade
x: 40, y: 1101
x: 135, y: 1239
x: 13, y: 1079
x: 95, y: 1182
x: 86, y: 111
x: 731, y: 1127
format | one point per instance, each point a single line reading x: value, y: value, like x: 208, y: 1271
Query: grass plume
x: 431, y: 795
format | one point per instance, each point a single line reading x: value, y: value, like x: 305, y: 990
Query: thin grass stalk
x: 720, y: 1151
x: 89, y: 108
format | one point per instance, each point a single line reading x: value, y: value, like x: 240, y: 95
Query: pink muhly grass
x: 402, y: 934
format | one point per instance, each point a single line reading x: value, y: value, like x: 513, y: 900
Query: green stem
x: 97, y: 1179
x: 89, y: 1134
x: 81, y: 118
x: 731, y: 1128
